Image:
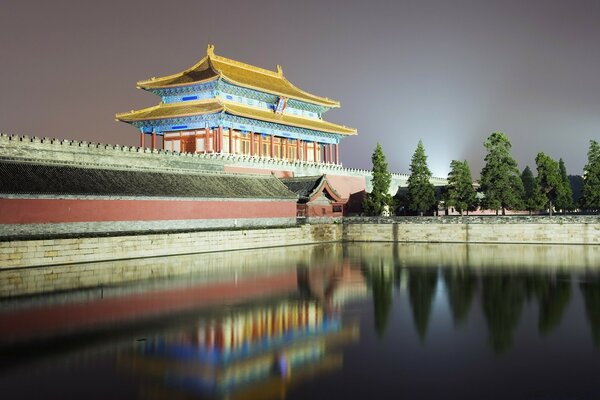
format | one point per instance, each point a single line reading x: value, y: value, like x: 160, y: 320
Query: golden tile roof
x: 213, y: 66
x: 211, y: 106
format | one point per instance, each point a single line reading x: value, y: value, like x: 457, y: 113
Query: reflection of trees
x: 421, y: 289
x: 502, y: 298
x: 461, y: 285
x: 380, y: 280
x: 553, y: 293
x: 590, y: 289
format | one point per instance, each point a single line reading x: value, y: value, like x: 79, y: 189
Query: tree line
x: 501, y: 186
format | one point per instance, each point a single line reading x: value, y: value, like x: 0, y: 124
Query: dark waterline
x: 415, y: 321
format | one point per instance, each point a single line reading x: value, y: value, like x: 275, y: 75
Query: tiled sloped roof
x: 25, y: 178
x: 212, y: 106
x: 213, y: 66
x: 304, y: 186
x: 172, y: 110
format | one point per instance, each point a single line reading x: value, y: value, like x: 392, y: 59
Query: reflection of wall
x: 198, y: 282
x: 518, y: 256
x: 218, y: 265
x: 25, y: 253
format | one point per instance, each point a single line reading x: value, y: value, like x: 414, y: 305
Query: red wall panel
x: 30, y: 211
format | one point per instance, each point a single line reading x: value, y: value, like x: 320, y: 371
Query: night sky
x: 447, y: 72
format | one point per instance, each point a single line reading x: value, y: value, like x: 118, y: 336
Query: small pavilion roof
x: 212, y: 106
x: 213, y: 67
x: 309, y: 187
x: 57, y: 180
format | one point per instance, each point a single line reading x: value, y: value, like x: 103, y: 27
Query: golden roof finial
x: 210, y: 50
x: 279, y: 70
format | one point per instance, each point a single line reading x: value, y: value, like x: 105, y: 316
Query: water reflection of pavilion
x: 259, y: 352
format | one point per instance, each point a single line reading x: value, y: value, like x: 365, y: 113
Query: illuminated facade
x: 227, y: 107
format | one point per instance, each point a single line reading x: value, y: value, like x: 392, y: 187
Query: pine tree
x: 548, y: 179
x: 500, y: 180
x: 591, y: 179
x: 375, y: 203
x: 460, y: 192
x: 421, y: 193
x: 533, y: 198
x: 564, y: 197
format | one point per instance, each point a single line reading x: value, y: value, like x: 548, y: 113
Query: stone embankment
x: 26, y: 253
x: 521, y: 229
x: 562, y: 229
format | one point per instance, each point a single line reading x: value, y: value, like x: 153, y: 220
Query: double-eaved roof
x: 211, y: 106
x: 171, y: 114
x: 213, y: 67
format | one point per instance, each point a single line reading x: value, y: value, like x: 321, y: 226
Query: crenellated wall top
x: 90, y: 153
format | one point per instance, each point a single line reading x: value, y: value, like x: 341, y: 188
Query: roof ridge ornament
x: 210, y: 50
x: 279, y: 70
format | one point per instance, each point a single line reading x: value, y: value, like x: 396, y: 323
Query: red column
x: 283, y: 144
x: 153, y: 140
x: 298, y: 149
x: 315, y: 151
x: 142, y: 140
x: 206, y: 140
x: 272, y: 146
x: 305, y: 151
x: 337, y: 153
x: 220, y: 142
x: 251, y: 143
x: 330, y: 156
x: 260, y: 139
x: 230, y: 141
x: 216, y: 140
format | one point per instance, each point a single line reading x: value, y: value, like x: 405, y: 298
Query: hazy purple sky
x: 448, y: 72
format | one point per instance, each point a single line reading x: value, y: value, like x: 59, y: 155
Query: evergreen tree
x: 375, y: 202
x: 460, y: 192
x: 533, y: 198
x: 548, y: 179
x: 564, y: 197
x: 421, y: 193
x: 591, y: 179
x: 576, y: 182
x: 500, y: 181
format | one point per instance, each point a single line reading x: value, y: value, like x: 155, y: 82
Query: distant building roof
x: 213, y: 67
x: 29, y: 178
x: 307, y: 187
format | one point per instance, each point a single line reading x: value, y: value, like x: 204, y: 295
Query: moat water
x: 397, y: 321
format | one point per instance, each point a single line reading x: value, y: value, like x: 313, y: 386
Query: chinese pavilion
x: 224, y: 106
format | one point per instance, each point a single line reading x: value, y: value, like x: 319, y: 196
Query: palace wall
x: 346, y: 181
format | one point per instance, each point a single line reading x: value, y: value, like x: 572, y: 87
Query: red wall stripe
x: 31, y: 211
